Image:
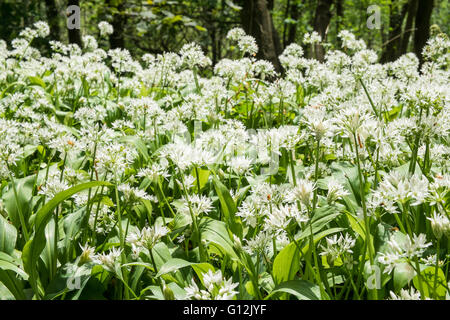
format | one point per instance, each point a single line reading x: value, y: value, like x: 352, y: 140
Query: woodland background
x: 166, y: 25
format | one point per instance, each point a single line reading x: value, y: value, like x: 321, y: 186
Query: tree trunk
x: 340, y: 16
x: 116, y: 39
x: 395, y: 29
x: 412, y: 8
x: 52, y: 18
x: 321, y: 22
x: 75, y: 34
x: 422, y: 33
x: 293, y: 27
x: 257, y: 22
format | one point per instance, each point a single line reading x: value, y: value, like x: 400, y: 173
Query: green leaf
x: 203, y: 175
x: 302, y: 289
x: 201, y: 268
x: 357, y: 225
x: 428, y: 278
x: 138, y: 143
x: 8, y: 236
x: 24, y: 188
x: 36, y: 81
x: 36, y: 244
x: 403, y: 273
x: 200, y: 28
x: 9, y: 263
x: 286, y: 264
x: 228, y: 207
x: 216, y: 232
x: 173, y: 265
x: 9, y: 269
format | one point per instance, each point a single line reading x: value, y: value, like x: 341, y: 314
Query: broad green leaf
x: 216, y: 232
x: 9, y: 270
x: 8, y: 236
x: 302, y: 289
x: 403, y: 274
x: 286, y: 264
x: 37, y: 81
x: 173, y: 265
x: 428, y: 277
x: 201, y: 268
x: 36, y: 244
x: 24, y: 188
x: 228, y: 207
x: 138, y: 143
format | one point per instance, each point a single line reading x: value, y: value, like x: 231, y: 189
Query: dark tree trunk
x: 285, y: 25
x: 257, y: 22
x: 75, y: 34
x: 422, y: 33
x: 394, y: 38
x: 339, y: 14
x: 293, y: 27
x: 52, y: 17
x: 321, y: 22
x: 116, y: 39
x: 412, y: 8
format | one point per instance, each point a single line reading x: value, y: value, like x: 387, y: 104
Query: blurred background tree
x: 156, y: 26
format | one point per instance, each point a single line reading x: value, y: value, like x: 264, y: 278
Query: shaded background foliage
x: 156, y: 26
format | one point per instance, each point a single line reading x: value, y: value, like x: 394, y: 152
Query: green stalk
x: 370, y: 99
x: 363, y: 203
x: 436, y: 267
x: 194, y: 220
x: 156, y: 270
x: 121, y: 238
x: 311, y: 212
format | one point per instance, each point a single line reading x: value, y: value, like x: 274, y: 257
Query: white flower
x: 335, y: 190
x: 108, y: 261
x: 440, y: 225
x: 412, y: 294
x: 311, y: 38
x: 105, y: 28
x: 303, y: 192
x: 147, y: 237
x: 240, y: 165
x: 217, y: 288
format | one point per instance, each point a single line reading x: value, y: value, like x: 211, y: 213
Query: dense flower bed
x: 169, y: 178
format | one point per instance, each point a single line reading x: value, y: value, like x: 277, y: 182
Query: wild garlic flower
x: 108, y: 260
x: 240, y: 165
x: 312, y: 38
x: 133, y: 195
x: 105, y: 28
x: 335, y: 190
x: 315, y: 119
x: 259, y: 244
x: 401, y: 188
x: 148, y: 237
x: 216, y: 288
x: 199, y: 204
x: 87, y: 254
x: 440, y: 225
x: 193, y: 56
x: 404, y: 294
x: 246, y: 43
x: 154, y: 172
x: 303, y: 192
x: 53, y: 185
x: 337, y: 247
x: 405, y: 251
x: 42, y: 29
